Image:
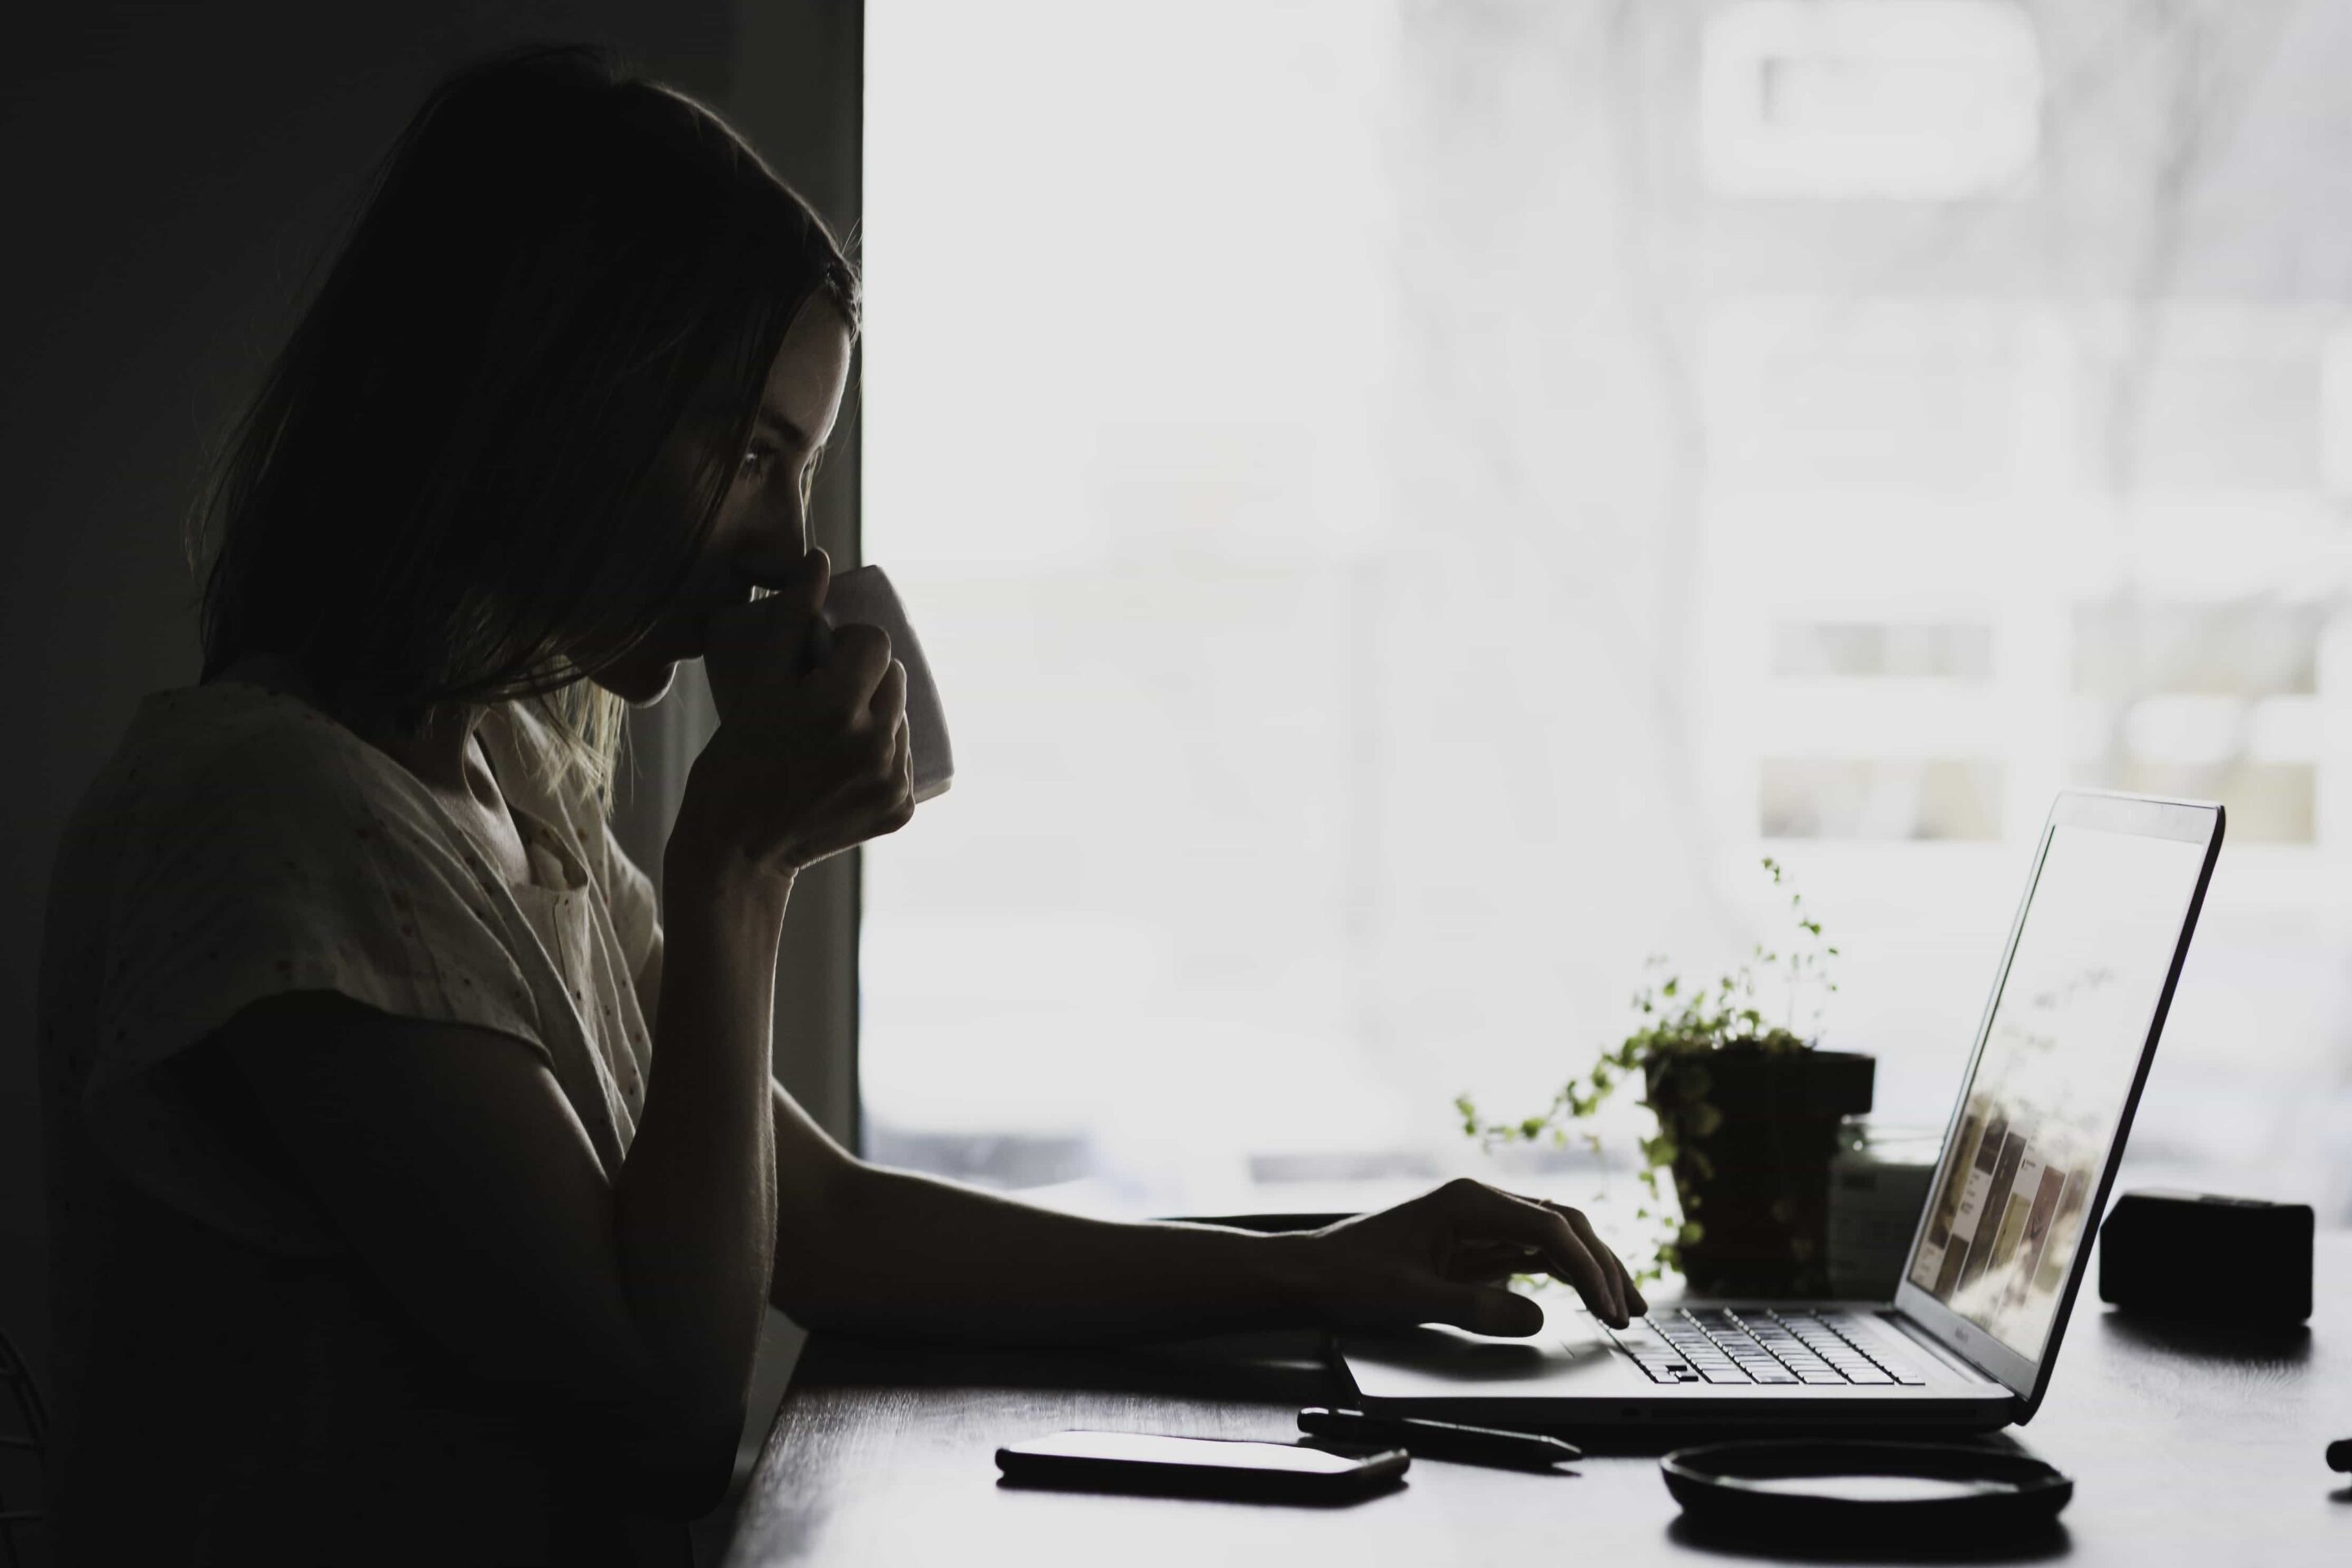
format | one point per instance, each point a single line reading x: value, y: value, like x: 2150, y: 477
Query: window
x: 2217, y: 701
x: 1402, y: 525
x: 1921, y: 99
x: 1912, y: 798
x: 1846, y: 650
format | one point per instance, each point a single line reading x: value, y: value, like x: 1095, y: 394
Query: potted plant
x: 1748, y: 1118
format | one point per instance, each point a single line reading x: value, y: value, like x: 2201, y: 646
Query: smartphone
x: 1197, y: 1466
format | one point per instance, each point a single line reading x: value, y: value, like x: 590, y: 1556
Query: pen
x: 1439, y: 1439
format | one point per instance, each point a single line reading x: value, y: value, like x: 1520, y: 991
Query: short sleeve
x: 293, y: 863
x: 262, y: 880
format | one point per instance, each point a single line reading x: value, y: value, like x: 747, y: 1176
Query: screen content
x: 2058, y: 1062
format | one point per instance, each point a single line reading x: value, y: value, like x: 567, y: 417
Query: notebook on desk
x: 2062, y: 1049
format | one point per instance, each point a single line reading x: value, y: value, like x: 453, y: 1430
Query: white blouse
x: 241, y: 844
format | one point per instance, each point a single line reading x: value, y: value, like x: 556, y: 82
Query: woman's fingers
x: 1483, y: 1258
x: 888, y: 703
x: 1485, y: 1213
x: 1485, y: 1263
x: 776, y: 635
x: 900, y: 780
x: 1628, y: 1298
x: 1480, y: 1253
x: 882, y: 731
x: 860, y: 662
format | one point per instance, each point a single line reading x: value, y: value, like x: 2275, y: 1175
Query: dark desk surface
x: 2186, y: 1447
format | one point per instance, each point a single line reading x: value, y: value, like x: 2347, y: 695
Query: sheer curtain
x: 1408, y: 503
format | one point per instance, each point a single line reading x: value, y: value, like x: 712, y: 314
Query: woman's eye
x: 755, y: 461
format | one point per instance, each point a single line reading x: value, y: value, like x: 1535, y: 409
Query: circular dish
x: 1838, y: 1490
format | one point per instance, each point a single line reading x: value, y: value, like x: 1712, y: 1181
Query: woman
x: 383, y: 1230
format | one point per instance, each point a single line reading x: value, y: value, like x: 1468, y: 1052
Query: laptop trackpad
x: 1573, y: 1356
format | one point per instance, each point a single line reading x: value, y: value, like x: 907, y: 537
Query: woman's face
x: 761, y: 531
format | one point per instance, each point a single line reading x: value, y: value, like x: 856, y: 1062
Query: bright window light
x: 1400, y: 536
x: 1911, y: 100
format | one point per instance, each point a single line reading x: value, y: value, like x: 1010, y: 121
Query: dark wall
x: 172, y: 172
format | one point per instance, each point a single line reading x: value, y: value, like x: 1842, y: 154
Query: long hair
x: 496, y: 441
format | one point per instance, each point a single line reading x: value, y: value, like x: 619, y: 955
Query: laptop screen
x: 2059, y: 1060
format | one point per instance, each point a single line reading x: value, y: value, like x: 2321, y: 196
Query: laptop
x: 1969, y: 1342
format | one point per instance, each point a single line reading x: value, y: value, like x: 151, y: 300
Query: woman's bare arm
x: 870, y: 1250
x: 865, y: 1249
x: 1062, y: 1279
x: 458, y: 1171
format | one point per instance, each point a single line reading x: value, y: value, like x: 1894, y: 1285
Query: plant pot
x: 1756, y: 1178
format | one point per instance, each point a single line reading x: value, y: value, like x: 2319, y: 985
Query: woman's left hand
x: 1444, y: 1259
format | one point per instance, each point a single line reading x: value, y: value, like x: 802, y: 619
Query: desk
x: 2186, y: 1446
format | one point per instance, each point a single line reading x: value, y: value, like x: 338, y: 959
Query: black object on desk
x: 1921, y: 1494
x: 1197, y: 1466
x: 1439, y: 1439
x: 2160, y: 1253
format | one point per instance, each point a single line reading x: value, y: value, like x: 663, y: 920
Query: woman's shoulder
x: 203, y: 723
x: 225, y: 775
x: 243, y: 750
x: 241, y: 847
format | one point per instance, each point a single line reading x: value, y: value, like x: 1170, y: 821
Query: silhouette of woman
x: 384, y: 1233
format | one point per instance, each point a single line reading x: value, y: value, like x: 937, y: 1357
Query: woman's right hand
x: 807, y: 761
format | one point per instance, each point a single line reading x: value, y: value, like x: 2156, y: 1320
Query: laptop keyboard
x: 1724, y: 1344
